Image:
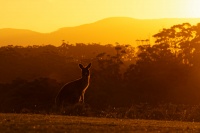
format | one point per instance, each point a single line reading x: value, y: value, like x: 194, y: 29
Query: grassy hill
x: 55, y: 123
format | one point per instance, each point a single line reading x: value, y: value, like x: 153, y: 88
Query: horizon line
x: 98, y: 21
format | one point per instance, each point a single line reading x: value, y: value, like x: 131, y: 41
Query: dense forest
x: 121, y: 75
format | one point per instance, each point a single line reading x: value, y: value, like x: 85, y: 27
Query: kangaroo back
x: 73, y: 92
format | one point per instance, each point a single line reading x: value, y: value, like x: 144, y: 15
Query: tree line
x: 121, y: 75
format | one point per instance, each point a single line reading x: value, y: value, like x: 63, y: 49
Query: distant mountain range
x: 123, y: 30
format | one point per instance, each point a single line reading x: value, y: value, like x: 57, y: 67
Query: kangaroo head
x: 85, y: 70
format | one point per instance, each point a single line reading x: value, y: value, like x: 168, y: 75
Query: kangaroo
x: 73, y: 92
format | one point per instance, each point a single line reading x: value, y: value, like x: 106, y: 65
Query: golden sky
x: 50, y: 15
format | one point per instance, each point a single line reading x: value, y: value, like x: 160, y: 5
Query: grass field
x: 19, y: 123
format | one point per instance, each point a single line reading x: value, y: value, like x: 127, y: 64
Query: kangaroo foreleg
x: 81, y: 99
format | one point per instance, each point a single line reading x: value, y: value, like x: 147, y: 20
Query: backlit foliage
x: 121, y: 75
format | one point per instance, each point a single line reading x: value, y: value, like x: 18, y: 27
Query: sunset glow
x: 49, y: 15
x: 192, y: 9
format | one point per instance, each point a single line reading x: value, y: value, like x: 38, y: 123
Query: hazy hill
x: 22, y: 37
x: 109, y: 30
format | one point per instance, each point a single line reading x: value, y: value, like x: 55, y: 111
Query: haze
x: 50, y: 15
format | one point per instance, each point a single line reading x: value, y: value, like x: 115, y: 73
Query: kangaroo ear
x: 89, y: 66
x: 81, y: 66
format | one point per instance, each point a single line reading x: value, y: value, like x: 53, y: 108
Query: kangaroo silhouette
x: 73, y: 92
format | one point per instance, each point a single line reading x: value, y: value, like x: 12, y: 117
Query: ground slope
x: 55, y: 123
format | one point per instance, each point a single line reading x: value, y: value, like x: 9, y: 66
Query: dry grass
x: 56, y: 123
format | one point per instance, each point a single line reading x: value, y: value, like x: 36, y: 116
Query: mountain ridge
x: 124, y: 30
